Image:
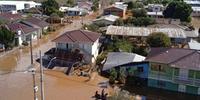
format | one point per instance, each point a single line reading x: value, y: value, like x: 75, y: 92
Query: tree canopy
x: 124, y: 45
x: 139, y: 12
x: 6, y: 37
x: 132, y: 5
x: 51, y: 6
x: 119, y: 22
x: 113, y: 75
x: 140, y: 21
x: 178, y: 9
x: 95, y: 6
x: 158, y: 39
x: 70, y: 3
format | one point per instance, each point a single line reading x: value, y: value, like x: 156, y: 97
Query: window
x: 197, y: 74
x: 157, y: 67
x: 191, y: 73
x: 140, y: 69
x: 26, y: 6
x: 176, y: 71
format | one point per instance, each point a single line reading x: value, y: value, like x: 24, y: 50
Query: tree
x: 70, y: 3
x: 95, y: 6
x: 7, y: 37
x: 143, y: 21
x: 139, y: 13
x: 91, y: 27
x: 113, y: 75
x: 122, y: 76
x: 124, y: 45
x: 178, y: 9
x: 132, y: 5
x: 50, y: 6
x: 119, y: 22
x: 158, y: 39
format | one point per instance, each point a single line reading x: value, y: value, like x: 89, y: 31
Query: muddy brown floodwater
x: 16, y: 83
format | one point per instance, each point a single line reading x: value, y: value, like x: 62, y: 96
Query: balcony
x: 187, y: 81
x: 176, y: 79
x: 183, y: 80
x: 160, y: 76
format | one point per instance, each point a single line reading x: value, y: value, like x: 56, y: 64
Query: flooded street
x: 16, y: 83
x: 196, y: 22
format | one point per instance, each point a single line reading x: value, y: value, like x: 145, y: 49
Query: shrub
x: 122, y: 76
x: 113, y: 76
x: 158, y: 39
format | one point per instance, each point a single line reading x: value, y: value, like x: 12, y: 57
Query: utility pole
x: 35, y: 88
x: 31, y: 50
x: 41, y: 77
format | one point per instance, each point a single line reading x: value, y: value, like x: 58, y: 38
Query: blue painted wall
x: 134, y: 66
x: 132, y: 69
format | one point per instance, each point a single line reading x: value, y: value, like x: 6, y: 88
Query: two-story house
x: 85, y: 41
x: 118, y: 9
x: 174, y: 69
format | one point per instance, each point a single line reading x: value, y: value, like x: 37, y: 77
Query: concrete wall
x: 88, y: 48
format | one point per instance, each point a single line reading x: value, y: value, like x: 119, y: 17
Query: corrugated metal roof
x: 194, y: 45
x: 145, y: 31
x: 111, y: 18
x: 121, y: 59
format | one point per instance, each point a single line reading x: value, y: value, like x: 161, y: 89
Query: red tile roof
x: 15, y: 27
x: 36, y: 21
x: 80, y: 36
x: 9, y: 16
x: 176, y: 57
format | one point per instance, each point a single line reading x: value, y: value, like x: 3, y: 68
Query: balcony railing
x: 160, y: 76
x: 176, y: 79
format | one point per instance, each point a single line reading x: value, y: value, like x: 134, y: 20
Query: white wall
x: 88, y: 48
x: 20, y: 4
x: 95, y: 50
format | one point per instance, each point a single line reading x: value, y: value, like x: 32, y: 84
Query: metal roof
x: 194, y: 45
x: 111, y: 18
x: 145, y: 31
x: 115, y: 59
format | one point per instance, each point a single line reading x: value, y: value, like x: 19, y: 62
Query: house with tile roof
x: 174, y: 69
x: 118, y: 9
x: 24, y: 33
x: 83, y: 40
x: 8, y: 17
x: 41, y: 25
